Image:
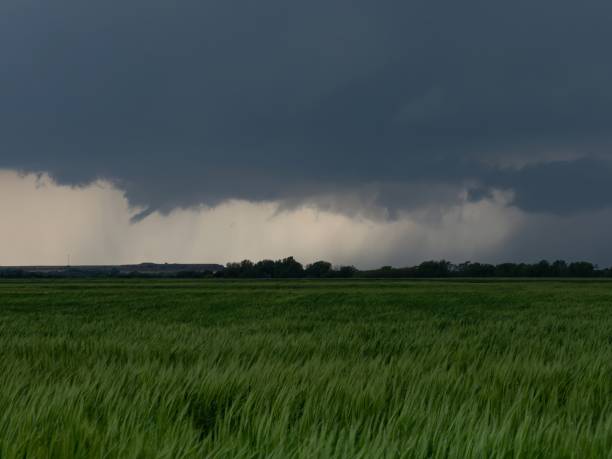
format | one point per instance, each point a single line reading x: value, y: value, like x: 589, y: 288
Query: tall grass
x: 168, y: 369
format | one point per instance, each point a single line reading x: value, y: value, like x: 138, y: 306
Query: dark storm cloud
x: 561, y: 187
x: 571, y: 237
x: 198, y: 101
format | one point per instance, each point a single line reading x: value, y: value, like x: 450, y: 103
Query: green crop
x: 305, y: 369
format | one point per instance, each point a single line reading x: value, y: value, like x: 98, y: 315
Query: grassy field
x: 305, y: 369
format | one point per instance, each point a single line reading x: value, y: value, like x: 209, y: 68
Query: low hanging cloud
x: 45, y: 222
x: 264, y: 101
x: 42, y: 222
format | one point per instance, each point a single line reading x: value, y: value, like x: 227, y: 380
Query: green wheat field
x: 305, y: 369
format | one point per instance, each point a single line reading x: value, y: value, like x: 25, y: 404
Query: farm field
x: 305, y: 369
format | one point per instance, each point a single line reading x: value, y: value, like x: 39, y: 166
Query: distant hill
x: 154, y: 269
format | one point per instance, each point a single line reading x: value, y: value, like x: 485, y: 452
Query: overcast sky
x: 366, y: 133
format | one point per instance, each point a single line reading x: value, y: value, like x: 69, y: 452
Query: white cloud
x: 42, y: 222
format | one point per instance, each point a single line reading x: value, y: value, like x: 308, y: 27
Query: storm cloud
x: 94, y: 224
x: 353, y: 106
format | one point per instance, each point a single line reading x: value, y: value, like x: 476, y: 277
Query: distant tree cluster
x: 285, y: 268
x: 445, y: 268
x: 290, y: 268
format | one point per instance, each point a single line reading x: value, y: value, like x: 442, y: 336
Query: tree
x: 434, y: 269
x: 318, y: 269
x: 581, y: 269
x: 346, y: 271
x: 289, y: 267
x: 559, y: 268
x: 265, y: 268
x: 541, y: 269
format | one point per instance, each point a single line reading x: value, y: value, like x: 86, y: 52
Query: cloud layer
x: 204, y: 101
x: 44, y: 222
x: 364, y: 132
x: 93, y: 224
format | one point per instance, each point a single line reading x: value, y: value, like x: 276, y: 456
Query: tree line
x: 290, y: 268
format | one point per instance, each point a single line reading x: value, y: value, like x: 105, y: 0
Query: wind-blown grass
x: 306, y: 369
